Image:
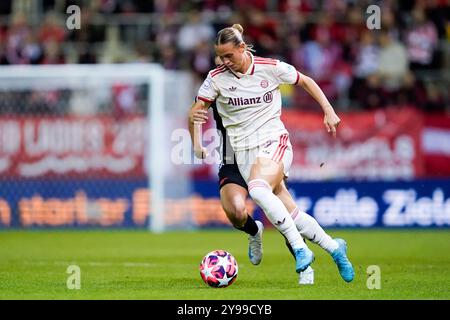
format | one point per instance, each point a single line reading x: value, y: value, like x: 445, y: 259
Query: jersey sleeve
x: 208, y: 91
x: 286, y: 73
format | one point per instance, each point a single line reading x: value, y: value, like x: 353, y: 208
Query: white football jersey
x: 249, y: 104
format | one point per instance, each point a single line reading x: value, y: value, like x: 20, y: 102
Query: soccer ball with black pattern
x: 218, y: 269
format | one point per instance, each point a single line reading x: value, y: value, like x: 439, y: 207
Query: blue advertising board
x: 125, y: 203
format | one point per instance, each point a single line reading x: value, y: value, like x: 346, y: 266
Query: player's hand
x: 198, y: 116
x: 331, y: 121
x: 201, y: 152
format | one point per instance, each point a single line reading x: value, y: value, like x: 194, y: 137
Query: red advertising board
x: 382, y: 144
x: 75, y: 146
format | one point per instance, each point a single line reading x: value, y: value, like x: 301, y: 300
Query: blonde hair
x: 238, y: 27
x: 233, y: 34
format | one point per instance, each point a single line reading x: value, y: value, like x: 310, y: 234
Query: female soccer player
x: 246, y: 91
x: 233, y: 193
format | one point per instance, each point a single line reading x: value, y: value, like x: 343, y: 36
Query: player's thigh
x: 267, y: 170
x: 244, y: 161
x: 232, y: 197
x: 273, y: 161
x: 257, y: 164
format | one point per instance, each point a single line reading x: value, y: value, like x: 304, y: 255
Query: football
x: 218, y: 269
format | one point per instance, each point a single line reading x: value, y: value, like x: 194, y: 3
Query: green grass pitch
x: 414, y: 264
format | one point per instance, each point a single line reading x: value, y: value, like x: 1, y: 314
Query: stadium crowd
x: 404, y: 62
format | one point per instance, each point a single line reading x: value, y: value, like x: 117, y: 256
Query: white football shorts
x: 277, y: 149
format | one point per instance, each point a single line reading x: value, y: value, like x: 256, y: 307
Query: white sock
x: 311, y: 230
x: 262, y: 194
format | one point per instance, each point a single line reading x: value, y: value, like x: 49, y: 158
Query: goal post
x: 156, y: 125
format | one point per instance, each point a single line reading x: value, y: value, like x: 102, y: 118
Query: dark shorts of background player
x: 229, y: 173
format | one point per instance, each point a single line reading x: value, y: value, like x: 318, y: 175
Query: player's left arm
x: 330, y: 120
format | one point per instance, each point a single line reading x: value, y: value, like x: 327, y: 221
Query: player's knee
x: 241, y: 212
x: 237, y: 214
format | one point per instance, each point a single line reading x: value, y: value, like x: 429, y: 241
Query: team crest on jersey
x: 264, y: 83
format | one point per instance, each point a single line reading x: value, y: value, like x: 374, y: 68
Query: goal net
x: 92, y: 145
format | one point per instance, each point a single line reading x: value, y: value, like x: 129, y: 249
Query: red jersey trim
x: 220, y: 67
x: 217, y: 71
x: 298, y: 78
x: 215, y: 74
x: 204, y: 99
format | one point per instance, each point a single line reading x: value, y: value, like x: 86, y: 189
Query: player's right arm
x: 198, y: 116
x: 207, y: 94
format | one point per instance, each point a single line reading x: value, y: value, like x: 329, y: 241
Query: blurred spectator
x: 335, y: 7
x: 246, y: 5
x: 323, y: 60
x: 32, y: 51
x: 367, y: 56
x: 51, y: 30
x: 166, y: 32
x: 393, y: 62
x: 194, y: 31
x: 413, y: 92
x: 325, y: 39
x: 351, y: 30
x: 366, y: 63
x: 370, y: 95
x: 297, y: 6
x: 202, y: 60
x: 294, y: 51
x: 167, y: 7
x: 88, y: 32
x: 421, y: 40
x: 327, y: 28
x: 294, y: 24
x: 320, y: 56
x: 21, y: 46
x: 389, y: 21
x: 261, y: 32
x: 169, y: 58
x: 108, y: 6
